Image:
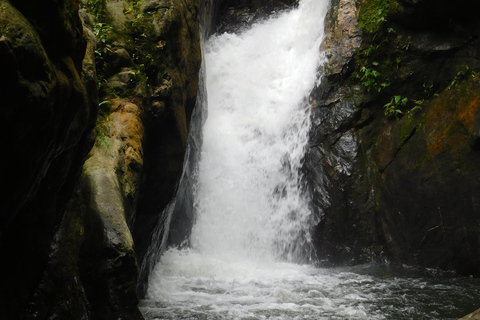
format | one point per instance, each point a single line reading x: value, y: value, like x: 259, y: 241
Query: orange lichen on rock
x: 450, y: 119
x: 467, y: 114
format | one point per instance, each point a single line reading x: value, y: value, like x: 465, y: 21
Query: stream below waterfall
x: 189, y: 285
x: 250, y: 254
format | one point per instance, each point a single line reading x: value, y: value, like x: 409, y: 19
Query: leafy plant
x: 133, y: 11
x: 393, y: 108
x: 98, y: 9
x: 104, y: 106
x: 397, y: 61
x: 370, y: 49
x: 370, y: 76
x: 417, y: 105
x: 374, y: 64
x: 103, y: 32
x: 427, y: 88
x: 462, y: 74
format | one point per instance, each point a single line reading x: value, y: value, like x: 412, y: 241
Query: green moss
x: 374, y: 63
x: 373, y: 14
x: 103, y: 138
x: 379, y: 63
x: 409, y: 126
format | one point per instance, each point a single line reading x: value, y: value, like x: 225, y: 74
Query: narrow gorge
x: 240, y: 159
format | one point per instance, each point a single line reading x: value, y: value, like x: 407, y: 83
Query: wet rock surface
x: 235, y: 15
x: 400, y: 182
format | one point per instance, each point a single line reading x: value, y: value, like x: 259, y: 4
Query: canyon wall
x: 118, y: 76
x: 48, y: 87
x: 396, y: 133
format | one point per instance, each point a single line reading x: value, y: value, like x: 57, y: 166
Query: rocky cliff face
x: 66, y: 230
x: 395, y: 132
x: 149, y: 57
x: 49, y: 97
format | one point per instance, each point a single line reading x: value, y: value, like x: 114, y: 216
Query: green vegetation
x: 373, y: 15
x: 377, y: 65
x: 373, y: 67
x: 398, y: 105
x: 371, y: 79
x: 98, y: 9
x: 371, y: 74
x: 463, y: 73
x: 137, y: 40
x: 103, y: 31
x: 132, y: 10
x: 393, y: 108
x: 379, y: 62
x: 101, y: 127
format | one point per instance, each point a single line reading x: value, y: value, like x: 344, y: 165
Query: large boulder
x: 105, y: 201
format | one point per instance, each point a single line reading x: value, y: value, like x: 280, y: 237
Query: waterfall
x: 251, y: 229
x: 250, y: 201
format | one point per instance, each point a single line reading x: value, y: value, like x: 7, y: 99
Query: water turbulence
x: 249, y: 201
x: 252, y: 215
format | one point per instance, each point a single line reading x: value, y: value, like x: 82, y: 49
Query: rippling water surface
x: 189, y: 285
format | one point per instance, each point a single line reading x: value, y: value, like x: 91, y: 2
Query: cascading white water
x: 249, y: 200
x: 252, y: 217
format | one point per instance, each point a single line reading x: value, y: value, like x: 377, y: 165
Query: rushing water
x: 252, y: 216
x: 249, y: 200
x: 189, y: 285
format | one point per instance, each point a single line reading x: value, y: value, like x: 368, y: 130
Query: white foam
x: 249, y: 200
x: 188, y: 282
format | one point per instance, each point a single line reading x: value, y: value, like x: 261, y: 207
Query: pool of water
x: 190, y: 285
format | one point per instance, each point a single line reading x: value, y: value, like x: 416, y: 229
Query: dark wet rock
x: 235, y: 15
x: 429, y: 172
x: 400, y: 186
x: 343, y: 37
x: 49, y: 96
x: 122, y: 81
x: 121, y: 59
